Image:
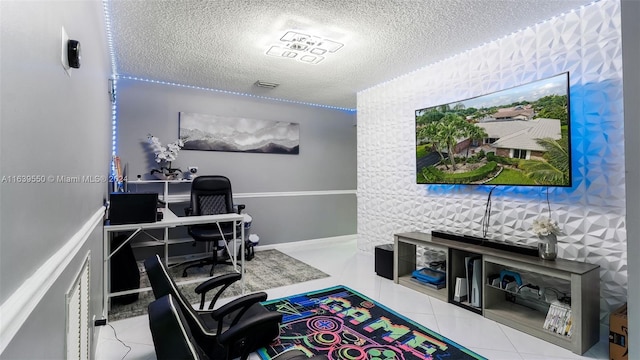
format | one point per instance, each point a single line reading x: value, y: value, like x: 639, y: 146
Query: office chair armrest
x: 248, y: 328
x: 239, y: 207
x: 188, y: 211
x: 223, y: 280
x: 242, y: 303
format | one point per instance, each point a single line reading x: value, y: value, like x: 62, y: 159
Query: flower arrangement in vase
x: 547, y: 231
x: 164, y: 155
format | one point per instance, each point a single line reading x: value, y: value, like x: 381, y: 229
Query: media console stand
x: 508, y: 306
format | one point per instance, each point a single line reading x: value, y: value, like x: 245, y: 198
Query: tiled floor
x: 355, y: 269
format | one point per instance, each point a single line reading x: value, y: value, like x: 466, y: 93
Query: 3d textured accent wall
x: 587, y: 43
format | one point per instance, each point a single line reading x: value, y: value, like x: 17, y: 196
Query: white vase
x: 548, y: 247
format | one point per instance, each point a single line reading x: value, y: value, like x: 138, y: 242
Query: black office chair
x: 211, y: 195
x: 205, y: 325
x: 174, y: 339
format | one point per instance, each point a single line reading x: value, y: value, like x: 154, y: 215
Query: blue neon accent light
x: 114, y: 102
x: 129, y: 77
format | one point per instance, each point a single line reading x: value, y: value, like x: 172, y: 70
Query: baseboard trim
x: 293, y: 193
x: 280, y: 246
x: 323, y: 241
x: 186, y: 197
x: 19, y: 306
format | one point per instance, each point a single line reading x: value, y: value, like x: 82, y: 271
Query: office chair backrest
x: 171, y: 338
x: 211, y: 195
x: 162, y: 284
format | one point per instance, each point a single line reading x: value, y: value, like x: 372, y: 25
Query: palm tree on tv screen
x: 432, y: 133
x: 474, y: 132
x: 447, y: 132
x: 554, y: 171
x: 451, y: 130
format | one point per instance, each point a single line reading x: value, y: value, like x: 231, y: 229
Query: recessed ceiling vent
x: 266, y: 85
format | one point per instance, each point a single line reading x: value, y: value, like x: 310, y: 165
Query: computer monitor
x: 132, y: 208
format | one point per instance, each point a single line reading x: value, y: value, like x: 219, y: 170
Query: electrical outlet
x: 193, y: 169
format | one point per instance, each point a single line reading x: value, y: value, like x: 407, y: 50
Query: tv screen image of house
x: 516, y: 136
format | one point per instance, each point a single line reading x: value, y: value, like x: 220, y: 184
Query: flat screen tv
x: 518, y: 136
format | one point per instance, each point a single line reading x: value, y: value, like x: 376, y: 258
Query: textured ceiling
x: 222, y: 44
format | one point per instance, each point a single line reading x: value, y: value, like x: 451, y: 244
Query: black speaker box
x: 384, y: 261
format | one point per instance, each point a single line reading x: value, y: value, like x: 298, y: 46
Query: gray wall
x: 630, y: 60
x: 51, y: 124
x: 327, y: 159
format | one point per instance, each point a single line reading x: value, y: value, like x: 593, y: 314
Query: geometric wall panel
x: 587, y: 44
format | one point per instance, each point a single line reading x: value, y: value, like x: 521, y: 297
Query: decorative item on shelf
x: 548, y: 247
x: 547, y: 231
x: 167, y: 172
x: 191, y: 173
x: 117, y: 178
x: 164, y: 155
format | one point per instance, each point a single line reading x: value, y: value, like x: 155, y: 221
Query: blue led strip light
x: 112, y: 55
x: 479, y: 46
x: 107, y: 23
x: 128, y: 77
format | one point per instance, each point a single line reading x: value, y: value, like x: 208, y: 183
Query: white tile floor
x: 355, y: 269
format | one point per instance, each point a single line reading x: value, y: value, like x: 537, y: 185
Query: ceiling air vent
x: 266, y: 85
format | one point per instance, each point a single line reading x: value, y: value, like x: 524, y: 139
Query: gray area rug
x: 268, y: 269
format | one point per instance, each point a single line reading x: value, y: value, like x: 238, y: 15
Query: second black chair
x: 174, y: 339
x: 204, y: 325
x: 212, y: 195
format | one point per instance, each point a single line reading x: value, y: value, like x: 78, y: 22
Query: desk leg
x: 105, y: 273
x: 242, y: 249
x: 166, y: 247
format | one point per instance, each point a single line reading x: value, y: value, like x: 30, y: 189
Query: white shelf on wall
x: 165, y: 195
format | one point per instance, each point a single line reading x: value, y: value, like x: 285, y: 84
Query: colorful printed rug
x: 344, y: 324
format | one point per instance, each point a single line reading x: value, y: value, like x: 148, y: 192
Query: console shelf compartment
x: 580, y: 281
x: 436, y: 293
x: 404, y: 263
x: 457, y: 269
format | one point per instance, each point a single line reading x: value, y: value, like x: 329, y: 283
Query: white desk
x: 169, y: 220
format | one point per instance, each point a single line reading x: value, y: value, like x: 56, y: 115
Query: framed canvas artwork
x: 219, y: 133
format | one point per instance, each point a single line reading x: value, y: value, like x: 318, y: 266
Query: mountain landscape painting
x: 220, y: 133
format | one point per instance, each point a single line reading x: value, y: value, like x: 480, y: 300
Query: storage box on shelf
x: 509, y: 306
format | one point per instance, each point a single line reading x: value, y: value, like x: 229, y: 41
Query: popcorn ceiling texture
x: 587, y: 43
x: 222, y: 44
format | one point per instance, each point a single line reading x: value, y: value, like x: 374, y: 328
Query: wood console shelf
x: 581, y: 281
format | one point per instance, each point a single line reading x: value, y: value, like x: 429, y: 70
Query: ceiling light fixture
x: 303, y: 47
